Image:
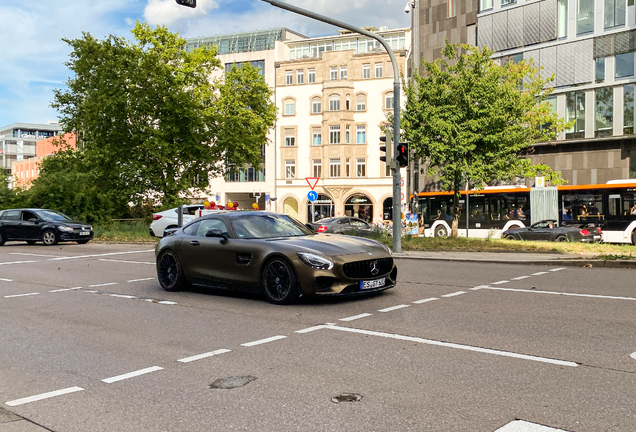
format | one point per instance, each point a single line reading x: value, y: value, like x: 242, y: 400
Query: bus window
x: 442, y: 209
x: 614, y: 206
x: 520, y: 209
x: 478, y: 208
x: 629, y: 206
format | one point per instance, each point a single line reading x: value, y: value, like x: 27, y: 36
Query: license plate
x: 85, y: 233
x: 377, y: 283
x: 597, y: 237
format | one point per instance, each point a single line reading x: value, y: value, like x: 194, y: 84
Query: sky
x: 33, y: 54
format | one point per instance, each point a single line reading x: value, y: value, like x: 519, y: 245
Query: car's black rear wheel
x: 561, y: 238
x: 49, y: 238
x: 279, y: 281
x: 170, y: 272
x: 511, y: 237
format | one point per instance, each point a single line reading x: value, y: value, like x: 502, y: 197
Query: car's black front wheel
x: 561, y: 238
x: 170, y: 271
x: 49, y: 238
x: 279, y: 281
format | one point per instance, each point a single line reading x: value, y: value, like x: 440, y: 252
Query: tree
x: 476, y: 120
x: 152, y: 122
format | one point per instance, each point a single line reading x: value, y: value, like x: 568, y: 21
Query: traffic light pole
x: 397, y: 199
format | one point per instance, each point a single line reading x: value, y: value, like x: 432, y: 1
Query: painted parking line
x: 539, y: 273
x: 392, y: 308
x: 6, y: 280
x: 500, y: 282
x: 262, y: 341
x: 314, y: 328
x: 557, y: 269
x: 104, y: 284
x: 131, y: 374
x: 99, y: 255
x: 521, y: 277
x: 131, y: 297
x: 20, y: 295
x: 43, y: 396
x: 129, y: 262
x: 479, y: 287
x: 139, y: 280
x: 454, y: 294
x: 16, y: 262
x: 456, y: 346
x: 355, y: 317
x: 204, y: 355
x: 524, y: 426
x: 65, y: 289
x: 426, y: 300
x: 32, y: 254
x: 562, y: 293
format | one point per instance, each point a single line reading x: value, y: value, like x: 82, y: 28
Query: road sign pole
x: 313, y: 213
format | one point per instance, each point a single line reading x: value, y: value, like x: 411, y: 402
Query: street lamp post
x: 414, y: 5
x: 397, y: 200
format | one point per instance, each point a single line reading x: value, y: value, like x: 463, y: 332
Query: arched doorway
x: 359, y: 206
x: 387, y: 209
x: 290, y: 207
x: 323, y: 208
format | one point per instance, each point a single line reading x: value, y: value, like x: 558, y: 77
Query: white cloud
x: 166, y: 12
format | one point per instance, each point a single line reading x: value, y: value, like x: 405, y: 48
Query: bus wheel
x: 441, y: 231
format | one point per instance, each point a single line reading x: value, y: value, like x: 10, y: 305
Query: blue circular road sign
x: 312, y: 196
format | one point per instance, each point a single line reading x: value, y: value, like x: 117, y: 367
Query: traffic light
x: 386, y: 148
x: 188, y: 3
x: 402, y: 157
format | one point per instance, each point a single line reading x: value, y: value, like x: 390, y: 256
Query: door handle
x: 194, y: 243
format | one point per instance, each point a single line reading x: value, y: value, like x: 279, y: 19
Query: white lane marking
x: 557, y: 269
x: 166, y: 302
x: 131, y: 374
x: 262, y: 341
x: 139, y: 280
x: 310, y: 329
x: 633, y: 355
x: 99, y: 255
x: 521, y: 277
x: 539, y: 273
x: 500, y: 282
x: 65, y: 289
x: 355, y: 317
x: 104, y: 284
x: 205, y: 355
x: 456, y: 346
x: 6, y: 280
x: 454, y: 294
x: 21, y: 295
x: 43, y: 396
x: 479, y: 287
x: 91, y: 291
x: 30, y: 254
x: 392, y: 308
x: 17, y: 262
x: 524, y: 426
x: 563, y: 293
x: 425, y: 300
x: 122, y: 296
x: 129, y: 262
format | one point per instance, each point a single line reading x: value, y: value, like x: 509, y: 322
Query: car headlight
x: 315, y: 261
x: 65, y: 228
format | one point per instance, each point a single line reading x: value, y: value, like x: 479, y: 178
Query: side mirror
x: 34, y: 220
x: 215, y: 232
x: 308, y: 225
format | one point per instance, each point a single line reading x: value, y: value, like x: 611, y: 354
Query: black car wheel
x: 561, y: 238
x: 279, y: 282
x: 49, y: 238
x: 441, y: 231
x: 31, y: 242
x: 511, y: 237
x: 170, y: 272
x: 82, y: 241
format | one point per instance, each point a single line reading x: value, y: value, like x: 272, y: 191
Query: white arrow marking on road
x: 524, y: 426
x: 131, y: 374
x: 262, y: 341
x: 43, y: 396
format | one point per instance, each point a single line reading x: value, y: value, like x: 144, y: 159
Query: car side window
x: 359, y: 223
x: 343, y: 221
x: 192, y: 229
x: 26, y: 215
x: 11, y: 215
x: 208, y: 224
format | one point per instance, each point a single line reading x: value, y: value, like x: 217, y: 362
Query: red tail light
x: 585, y: 232
x: 322, y: 228
x: 599, y: 231
x: 156, y: 216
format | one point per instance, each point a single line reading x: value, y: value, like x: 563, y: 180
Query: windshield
x: 53, y: 216
x: 261, y: 226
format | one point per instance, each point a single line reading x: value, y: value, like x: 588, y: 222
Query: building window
x: 334, y: 168
x: 361, y: 134
x: 311, y: 76
x: 317, y: 168
x: 343, y: 72
x: 604, y: 112
x: 485, y: 5
x: 575, y: 111
x: 624, y: 65
x: 316, y: 105
x: 300, y: 76
x: 333, y: 73
x: 628, y: 110
x: 585, y: 17
x: 290, y: 107
x: 290, y: 169
x: 366, y: 71
x: 334, y: 134
x: 348, y: 168
x: 600, y: 69
x: 334, y: 102
x: 562, y: 20
x: 348, y: 103
x: 289, y: 77
x: 348, y: 134
x: 361, y: 102
x: 507, y: 2
x: 452, y: 8
x: 361, y: 168
x: 378, y: 70
x: 290, y: 137
x: 614, y: 13
x: 551, y: 102
x: 316, y: 137
x: 388, y: 101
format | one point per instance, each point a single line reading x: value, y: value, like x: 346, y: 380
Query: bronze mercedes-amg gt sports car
x: 272, y: 253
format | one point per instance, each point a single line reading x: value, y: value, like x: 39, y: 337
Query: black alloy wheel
x: 561, y: 238
x: 441, y: 231
x: 169, y: 271
x: 49, y: 238
x: 279, y: 282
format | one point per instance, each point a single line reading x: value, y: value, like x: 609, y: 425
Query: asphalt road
x: 89, y: 342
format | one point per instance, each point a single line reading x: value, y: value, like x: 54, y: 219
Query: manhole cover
x: 232, y: 382
x: 347, y: 397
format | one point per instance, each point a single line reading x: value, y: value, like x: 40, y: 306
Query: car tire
x: 511, y: 237
x: 441, y: 231
x: 49, y: 238
x: 170, y: 271
x: 561, y: 238
x: 279, y: 281
x: 2, y: 239
x: 169, y: 227
x: 82, y: 241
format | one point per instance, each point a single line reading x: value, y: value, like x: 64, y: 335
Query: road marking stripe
x: 392, y: 308
x: 539, y: 273
x: 425, y: 300
x: 262, y: 341
x: 524, y: 426
x: 456, y: 346
x: 310, y: 329
x: 21, y: 295
x: 130, y: 262
x: 205, y: 355
x: 633, y: 355
x: 43, y: 396
x: 454, y: 294
x: 31, y: 254
x: 65, y: 289
x: 167, y: 302
x: 104, y: 284
x: 131, y: 374
x: 521, y: 277
x: 563, y: 293
x: 355, y: 317
x: 139, y: 280
x: 6, y: 280
x: 479, y: 287
x: 17, y: 262
x: 123, y: 296
x: 98, y: 255
x: 500, y: 282
x: 557, y: 269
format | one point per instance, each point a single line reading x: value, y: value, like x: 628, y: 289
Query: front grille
x: 362, y: 269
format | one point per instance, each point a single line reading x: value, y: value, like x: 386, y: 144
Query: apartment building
x: 23, y: 172
x: 18, y: 141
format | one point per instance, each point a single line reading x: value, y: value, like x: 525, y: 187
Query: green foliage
x: 7, y: 196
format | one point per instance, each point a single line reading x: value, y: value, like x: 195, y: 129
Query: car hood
x: 71, y: 223
x: 332, y: 244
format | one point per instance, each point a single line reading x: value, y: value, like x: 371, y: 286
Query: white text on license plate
x: 85, y: 233
x: 377, y: 283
